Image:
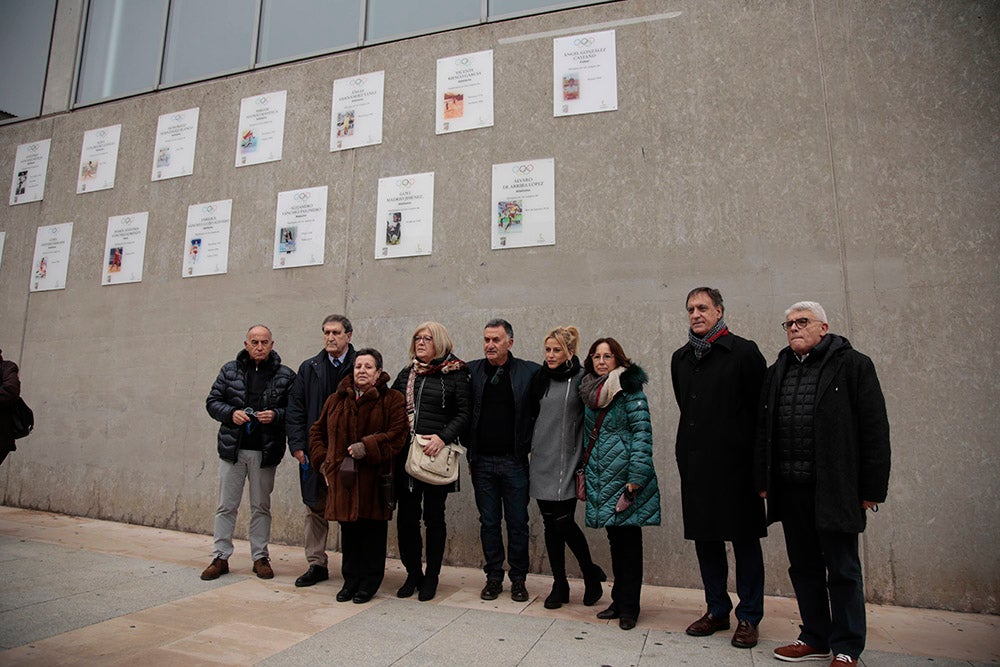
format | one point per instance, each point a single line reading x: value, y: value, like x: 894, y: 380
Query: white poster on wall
x: 262, y: 128
x: 125, y: 248
x: 98, y: 159
x: 584, y: 74
x: 356, y: 112
x: 3, y: 240
x: 31, y: 163
x: 51, y: 260
x: 176, y: 138
x: 404, y: 220
x: 524, y: 204
x: 464, y: 92
x: 300, y: 228
x: 206, y: 242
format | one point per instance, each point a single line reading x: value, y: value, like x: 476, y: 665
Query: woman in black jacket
x: 438, y: 402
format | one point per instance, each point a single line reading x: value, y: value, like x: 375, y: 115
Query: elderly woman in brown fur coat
x: 362, y: 426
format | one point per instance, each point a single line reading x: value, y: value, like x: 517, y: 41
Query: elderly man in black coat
x: 318, y: 377
x: 822, y: 460
x: 717, y: 377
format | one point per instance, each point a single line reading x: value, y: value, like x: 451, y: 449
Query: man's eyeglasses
x: 800, y: 323
x: 422, y: 339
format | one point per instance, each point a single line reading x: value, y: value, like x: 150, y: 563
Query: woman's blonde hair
x: 567, y: 337
x: 442, y: 341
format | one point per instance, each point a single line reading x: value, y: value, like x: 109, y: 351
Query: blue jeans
x: 501, y: 486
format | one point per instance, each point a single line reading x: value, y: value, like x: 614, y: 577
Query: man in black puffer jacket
x: 822, y: 459
x: 248, y: 399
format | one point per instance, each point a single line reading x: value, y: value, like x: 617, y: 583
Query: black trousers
x: 408, y: 513
x: 363, y: 545
x: 562, y: 530
x: 826, y: 574
x: 626, y: 564
x: 714, y: 565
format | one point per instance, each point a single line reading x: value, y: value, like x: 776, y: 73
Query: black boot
x: 412, y: 583
x: 592, y: 578
x: 428, y: 589
x: 559, y: 594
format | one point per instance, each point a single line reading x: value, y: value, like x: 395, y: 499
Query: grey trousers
x: 231, y: 479
x: 317, y: 531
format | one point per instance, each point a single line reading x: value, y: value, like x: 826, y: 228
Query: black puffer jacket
x: 443, y: 403
x: 228, y: 395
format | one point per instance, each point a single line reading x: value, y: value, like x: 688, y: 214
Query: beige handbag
x: 436, y: 470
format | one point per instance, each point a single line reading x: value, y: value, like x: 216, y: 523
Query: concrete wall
x: 839, y: 151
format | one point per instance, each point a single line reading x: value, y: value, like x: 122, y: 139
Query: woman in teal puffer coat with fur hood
x: 622, y: 492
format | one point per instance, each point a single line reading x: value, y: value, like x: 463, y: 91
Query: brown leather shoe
x: 218, y: 568
x: 707, y: 625
x: 745, y: 636
x: 262, y: 567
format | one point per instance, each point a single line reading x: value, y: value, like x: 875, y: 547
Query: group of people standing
x: 809, y: 434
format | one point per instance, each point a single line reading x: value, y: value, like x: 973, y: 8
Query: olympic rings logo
x: 523, y: 169
x: 208, y: 208
x: 262, y: 99
x: 101, y: 134
x: 463, y: 62
x: 53, y: 231
x: 406, y: 182
x: 357, y: 82
x: 127, y: 220
x: 33, y: 148
x: 177, y: 117
x: 301, y: 196
x: 584, y: 41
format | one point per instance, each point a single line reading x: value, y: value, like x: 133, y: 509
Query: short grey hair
x: 812, y: 306
x: 500, y: 322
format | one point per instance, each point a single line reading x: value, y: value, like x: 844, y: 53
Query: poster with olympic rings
x: 584, y: 74
x: 524, y: 204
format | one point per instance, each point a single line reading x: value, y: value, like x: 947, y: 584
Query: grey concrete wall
x: 839, y: 151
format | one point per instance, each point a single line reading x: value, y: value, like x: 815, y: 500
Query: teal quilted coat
x: 623, y: 454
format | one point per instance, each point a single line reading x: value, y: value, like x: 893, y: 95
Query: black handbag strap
x: 594, y: 433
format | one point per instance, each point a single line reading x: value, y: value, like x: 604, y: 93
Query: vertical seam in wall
x: 841, y: 244
x: 350, y: 217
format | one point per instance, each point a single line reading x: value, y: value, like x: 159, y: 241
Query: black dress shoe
x: 314, y: 575
x: 609, y: 613
x: 626, y: 623
x: 346, y: 593
x: 491, y: 590
x: 707, y: 625
x: 362, y: 597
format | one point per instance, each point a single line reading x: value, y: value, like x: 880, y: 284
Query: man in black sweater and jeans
x: 498, y: 457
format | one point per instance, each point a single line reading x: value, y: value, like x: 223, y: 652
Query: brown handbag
x: 581, y: 473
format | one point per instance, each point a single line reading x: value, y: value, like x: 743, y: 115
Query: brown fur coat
x: 378, y: 420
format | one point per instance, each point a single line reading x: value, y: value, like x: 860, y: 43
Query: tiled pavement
x: 77, y: 591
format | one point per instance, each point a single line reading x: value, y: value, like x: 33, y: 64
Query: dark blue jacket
x: 521, y: 372
x: 305, y: 404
